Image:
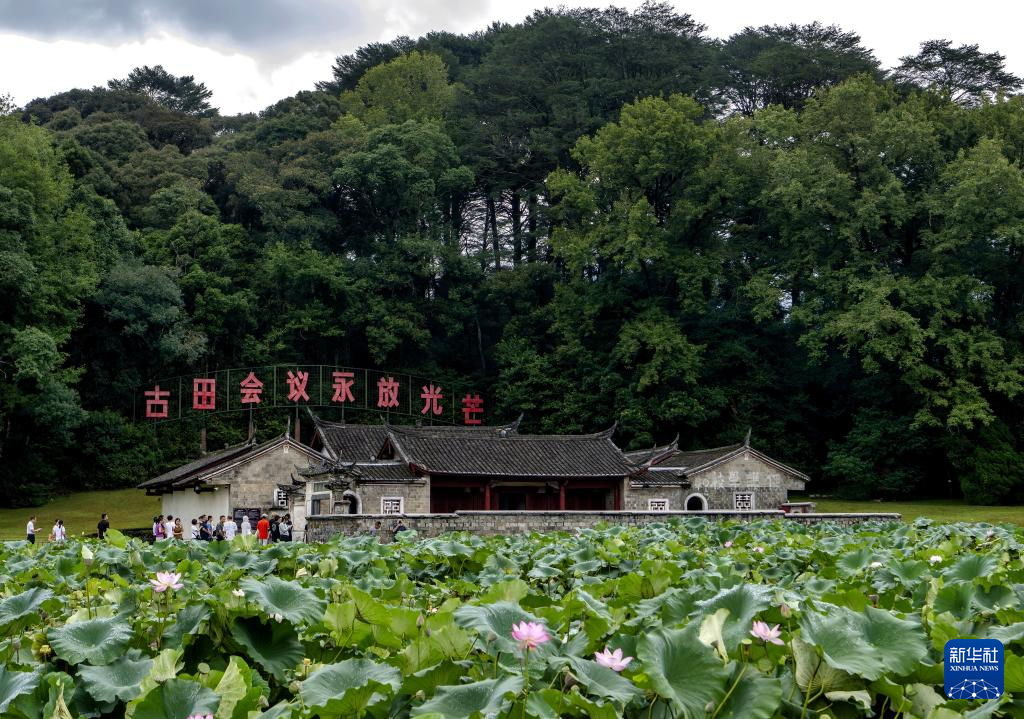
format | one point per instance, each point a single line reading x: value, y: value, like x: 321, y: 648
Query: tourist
x: 30, y: 529
x: 208, y: 524
x: 59, y: 533
x: 195, y: 529
x: 246, y: 526
x: 284, y: 528
x: 263, y: 530
x: 204, y: 529
x: 169, y: 527
x: 399, y: 527
x: 375, y: 529
x: 218, y: 531
x: 230, y: 529
x: 103, y: 526
x: 158, y: 528
x: 274, y: 535
x: 179, y: 531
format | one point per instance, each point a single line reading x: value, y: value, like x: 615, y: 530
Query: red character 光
x: 432, y: 399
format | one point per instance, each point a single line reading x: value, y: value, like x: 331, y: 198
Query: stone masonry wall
x: 417, y: 496
x: 253, y: 482
x: 322, y: 527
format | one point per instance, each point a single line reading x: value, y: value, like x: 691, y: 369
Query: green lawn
x: 943, y: 510
x: 128, y: 509
x: 131, y: 508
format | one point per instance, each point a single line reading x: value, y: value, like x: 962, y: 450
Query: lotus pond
x: 721, y: 621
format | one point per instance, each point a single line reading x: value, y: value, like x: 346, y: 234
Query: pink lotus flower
x: 728, y: 544
x: 201, y: 716
x: 759, y: 550
x: 765, y: 633
x: 530, y: 635
x: 613, y: 660
x: 165, y: 581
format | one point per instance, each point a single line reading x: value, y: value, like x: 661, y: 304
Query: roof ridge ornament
x: 746, y: 441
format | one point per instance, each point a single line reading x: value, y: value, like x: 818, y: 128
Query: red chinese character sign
x: 387, y: 392
x: 251, y: 388
x: 342, y: 387
x: 431, y: 397
x: 472, y: 408
x: 297, y: 386
x: 272, y: 387
x: 156, y: 402
x: 204, y: 393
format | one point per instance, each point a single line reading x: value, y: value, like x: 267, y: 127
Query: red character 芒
x: 472, y: 406
x: 251, y: 388
x: 297, y: 386
x: 432, y: 399
x: 204, y: 393
x: 156, y: 402
x: 342, y: 386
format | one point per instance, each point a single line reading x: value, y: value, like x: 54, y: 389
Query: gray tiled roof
x: 513, y: 455
x: 696, y: 458
x: 351, y: 441
x: 197, y: 467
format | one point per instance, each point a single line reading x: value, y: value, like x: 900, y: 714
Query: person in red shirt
x: 263, y: 530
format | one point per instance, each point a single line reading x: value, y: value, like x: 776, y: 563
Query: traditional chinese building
x: 241, y: 479
x: 736, y: 477
x: 440, y: 469
x: 386, y: 469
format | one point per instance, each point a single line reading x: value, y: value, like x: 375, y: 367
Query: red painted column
x: 618, y: 497
x: 487, y: 496
x: 561, y: 496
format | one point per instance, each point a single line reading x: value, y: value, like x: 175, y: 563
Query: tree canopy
x: 591, y: 216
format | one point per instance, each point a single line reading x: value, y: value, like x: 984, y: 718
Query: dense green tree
x: 964, y: 74
x: 589, y: 216
x: 785, y: 64
x: 182, y: 94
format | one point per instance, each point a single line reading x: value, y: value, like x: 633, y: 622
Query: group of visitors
x: 58, y: 534
x: 203, y: 528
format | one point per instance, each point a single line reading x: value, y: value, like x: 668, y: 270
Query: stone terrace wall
x: 322, y: 527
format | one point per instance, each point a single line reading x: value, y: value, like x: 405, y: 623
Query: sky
x: 251, y: 53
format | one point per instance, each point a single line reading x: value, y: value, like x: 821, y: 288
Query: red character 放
x: 387, y: 392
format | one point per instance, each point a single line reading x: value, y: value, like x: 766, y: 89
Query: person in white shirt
x: 30, y: 529
x: 169, y: 527
x: 59, y: 534
x: 246, y: 526
x: 195, y: 529
x: 230, y: 529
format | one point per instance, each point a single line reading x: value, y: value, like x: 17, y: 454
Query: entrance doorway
x: 696, y: 503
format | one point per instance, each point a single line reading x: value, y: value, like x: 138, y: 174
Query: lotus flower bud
x: 785, y: 611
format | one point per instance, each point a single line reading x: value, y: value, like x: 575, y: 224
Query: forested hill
x: 592, y: 216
